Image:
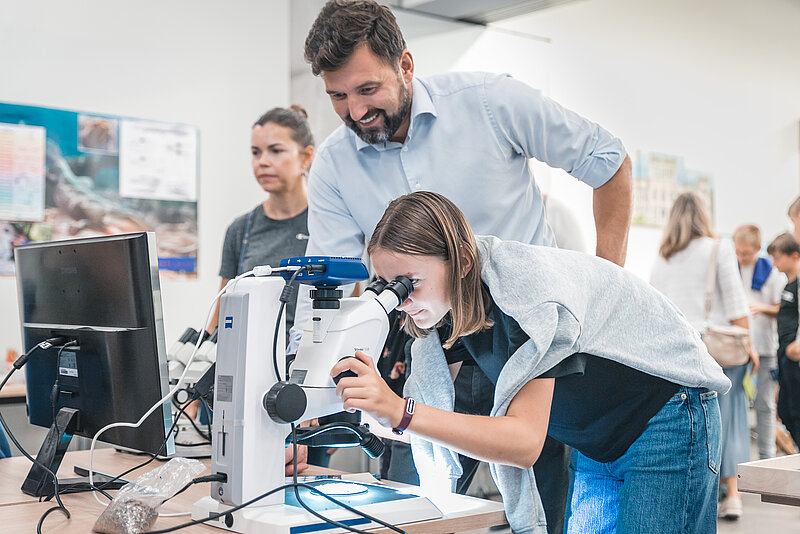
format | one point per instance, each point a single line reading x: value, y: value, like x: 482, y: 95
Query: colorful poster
x: 22, y: 168
x: 75, y: 173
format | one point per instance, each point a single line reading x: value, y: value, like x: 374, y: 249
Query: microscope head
x: 328, y: 271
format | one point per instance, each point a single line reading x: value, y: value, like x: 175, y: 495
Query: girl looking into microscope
x: 576, y: 347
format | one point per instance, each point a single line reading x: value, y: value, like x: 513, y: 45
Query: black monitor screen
x: 102, y: 294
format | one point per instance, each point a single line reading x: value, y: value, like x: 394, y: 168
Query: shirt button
x: 405, y: 148
x: 417, y: 186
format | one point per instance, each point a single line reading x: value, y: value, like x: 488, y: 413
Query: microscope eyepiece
x: 377, y: 285
x: 402, y: 287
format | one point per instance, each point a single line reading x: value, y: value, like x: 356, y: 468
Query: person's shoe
x: 730, y: 508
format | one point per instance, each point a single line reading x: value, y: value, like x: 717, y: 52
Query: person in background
x: 680, y: 273
x: 281, y: 148
x: 794, y: 216
x: 785, y: 253
x: 466, y: 135
x: 565, y: 355
x: 763, y: 285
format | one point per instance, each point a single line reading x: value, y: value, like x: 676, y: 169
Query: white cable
x: 166, y: 397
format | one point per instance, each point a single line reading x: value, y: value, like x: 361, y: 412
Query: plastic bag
x: 135, y: 507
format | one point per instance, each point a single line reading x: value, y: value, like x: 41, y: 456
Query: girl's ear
x: 466, y: 262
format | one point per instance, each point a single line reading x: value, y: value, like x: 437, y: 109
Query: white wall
x: 717, y: 82
x: 213, y: 65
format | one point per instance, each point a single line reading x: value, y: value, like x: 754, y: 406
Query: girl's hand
x: 368, y: 391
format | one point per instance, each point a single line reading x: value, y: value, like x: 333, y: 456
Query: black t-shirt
x: 788, y: 317
x: 600, y: 407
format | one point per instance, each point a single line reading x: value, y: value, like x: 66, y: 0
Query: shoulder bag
x: 727, y: 344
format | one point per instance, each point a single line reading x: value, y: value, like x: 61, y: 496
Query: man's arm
x: 540, y: 128
x: 612, y: 204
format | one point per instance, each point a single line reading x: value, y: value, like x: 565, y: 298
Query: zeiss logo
x: 229, y: 322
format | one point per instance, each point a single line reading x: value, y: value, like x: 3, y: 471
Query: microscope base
x: 288, y: 519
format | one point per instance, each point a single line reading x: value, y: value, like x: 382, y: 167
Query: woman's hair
x: 688, y: 219
x: 295, y: 118
x: 428, y: 224
x: 343, y: 25
x: 784, y: 244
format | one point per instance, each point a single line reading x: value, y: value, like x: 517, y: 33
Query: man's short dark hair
x: 784, y: 244
x: 343, y: 25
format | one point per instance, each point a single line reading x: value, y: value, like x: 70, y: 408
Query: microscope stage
x: 392, y: 505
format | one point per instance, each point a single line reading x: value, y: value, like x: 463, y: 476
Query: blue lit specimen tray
x: 360, y: 494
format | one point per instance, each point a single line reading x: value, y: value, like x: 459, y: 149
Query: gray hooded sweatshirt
x: 566, y: 302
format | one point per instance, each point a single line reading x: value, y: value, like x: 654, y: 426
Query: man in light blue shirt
x: 467, y: 136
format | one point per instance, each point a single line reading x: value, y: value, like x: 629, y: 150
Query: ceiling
x: 478, y: 11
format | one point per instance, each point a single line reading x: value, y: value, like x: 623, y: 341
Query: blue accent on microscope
x: 327, y: 270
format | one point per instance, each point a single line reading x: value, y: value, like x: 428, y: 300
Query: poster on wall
x: 65, y: 174
x: 658, y: 179
x: 22, y: 164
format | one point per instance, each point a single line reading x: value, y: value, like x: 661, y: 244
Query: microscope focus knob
x: 285, y: 402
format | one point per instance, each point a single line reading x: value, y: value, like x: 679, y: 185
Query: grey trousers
x: 764, y: 405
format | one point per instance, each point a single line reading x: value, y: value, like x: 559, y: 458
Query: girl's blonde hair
x: 428, y: 224
x: 688, y: 219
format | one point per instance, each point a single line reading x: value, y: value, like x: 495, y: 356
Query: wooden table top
x: 20, y: 512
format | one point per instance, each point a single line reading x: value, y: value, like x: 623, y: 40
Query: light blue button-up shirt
x: 470, y: 138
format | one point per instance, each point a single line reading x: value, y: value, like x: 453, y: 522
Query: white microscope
x: 254, y: 404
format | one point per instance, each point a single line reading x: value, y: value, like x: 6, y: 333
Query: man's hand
x: 612, y: 204
x: 368, y: 391
x: 302, y: 459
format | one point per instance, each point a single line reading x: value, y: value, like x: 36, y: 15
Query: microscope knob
x: 344, y: 374
x: 285, y: 402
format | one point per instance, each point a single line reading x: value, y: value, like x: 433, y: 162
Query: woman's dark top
x: 788, y: 317
x: 600, y: 407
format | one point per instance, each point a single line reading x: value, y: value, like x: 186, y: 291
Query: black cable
x: 197, y: 429
x: 198, y: 480
x: 286, y: 294
x: 209, y: 415
x: 44, y: 515
x: 210, y: 410
x: 17, y: 365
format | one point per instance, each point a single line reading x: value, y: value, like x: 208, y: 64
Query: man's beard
x: 391, y: 123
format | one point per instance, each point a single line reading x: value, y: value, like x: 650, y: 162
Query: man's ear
x: 406, y: 66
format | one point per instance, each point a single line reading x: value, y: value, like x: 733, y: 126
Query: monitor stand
x: 39, y: 483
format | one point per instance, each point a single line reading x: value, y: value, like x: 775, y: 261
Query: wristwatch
x: 407, y: 414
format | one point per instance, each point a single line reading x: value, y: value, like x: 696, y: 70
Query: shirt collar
x: 421, y: 104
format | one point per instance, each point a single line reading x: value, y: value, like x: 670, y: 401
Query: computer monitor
x: 103, y: 295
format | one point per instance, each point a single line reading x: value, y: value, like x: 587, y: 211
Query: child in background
x: 785, y: 254
x: 763, y: 285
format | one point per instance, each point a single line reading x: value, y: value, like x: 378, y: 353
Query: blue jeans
x: 666, y: 481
